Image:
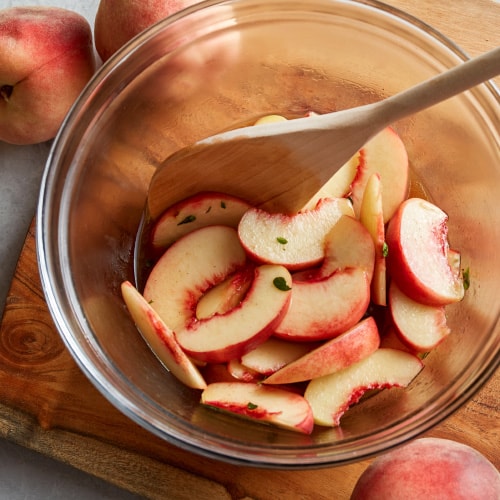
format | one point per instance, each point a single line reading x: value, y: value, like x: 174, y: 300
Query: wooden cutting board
x: 48, y: 405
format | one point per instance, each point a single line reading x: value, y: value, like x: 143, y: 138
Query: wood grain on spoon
x: 280, y: 166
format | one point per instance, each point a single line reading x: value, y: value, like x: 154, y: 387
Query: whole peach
x: 428, y: 469
x: 118, y: 21
x: 46, y: 58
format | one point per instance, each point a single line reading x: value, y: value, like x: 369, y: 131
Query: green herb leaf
x: 281, y: 240
x: 252, y: 406
x: 466, y: 278
x: 385, y: 249
x: 223, y: 204
x: 187, y: 220
x: 280, y: 284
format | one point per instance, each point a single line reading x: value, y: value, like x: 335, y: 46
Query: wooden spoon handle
x: 438, y: 88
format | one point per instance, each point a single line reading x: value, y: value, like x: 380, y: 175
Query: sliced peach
x: 330, y: 396
x: 371, y: 216
x: 160, y: 338
x: 418, y: 254
x: 190, y: 267
x: 273, y: 354
x: 357, y: 343
x: 419, y: 326
x: 295, y: 241
x: 262, y: 404
x: 386, y: 155
x: 200, y: 210
x: 223, y: 337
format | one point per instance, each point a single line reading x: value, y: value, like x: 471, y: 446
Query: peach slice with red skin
x: 190, y: 267
x: 337, y: 296
x: 385, y: 154
x: 418, y: 254
x: 294, y: 241
x: 371, y: 216
x: 200, y: 210
x: 226, y: 295
x: 241, y: 372
x: 347, y: 245
x: 217, y: 372
x: 261, y: 403
x: 390, y: 338
x: 160, y: 338
x: 355, y: 344
x: 273, y: 354
x: 339, y: 185
x: 419, y: 326
x: 324, y: 308
x: 330, y: 396
x: 223, y: 337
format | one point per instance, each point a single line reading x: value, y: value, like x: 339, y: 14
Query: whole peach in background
x: 118, y: 21
x: 46, y: 58
x: 429, y: 468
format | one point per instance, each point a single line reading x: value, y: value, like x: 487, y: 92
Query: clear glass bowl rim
x: 111, y: 384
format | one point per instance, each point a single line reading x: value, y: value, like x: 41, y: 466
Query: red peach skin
x: 46, y: 58
x: 118, y: 21
x: 417, y: 237
x: 428, y: 469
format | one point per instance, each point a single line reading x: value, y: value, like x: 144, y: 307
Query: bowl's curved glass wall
x: 234, y: 62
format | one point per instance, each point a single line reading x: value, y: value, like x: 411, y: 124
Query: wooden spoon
x: 280, y: 166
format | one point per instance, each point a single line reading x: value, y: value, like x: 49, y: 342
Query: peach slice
x: 241, y: 372
x: 200, y: 210
x: 419, y: 326
x: 390, y: 338
x: 189, y: 268
x: 261, y: 403
x: 386, y: 155
x: 270, y: 119
x: 273, y: 354
x: 324, y: 308
x: 347, y: 245
x: 226, y: 336
x: 160, y: 338
x: 417, y: 257
x: 226, y: 295
x: 331, y: 395
x: 295, y: 241
x: 455, y: 261
x: 371, y: 216
x: 339, y: 185
x: 339, y: 353
x: 217, y: 372
x: 336, y: 297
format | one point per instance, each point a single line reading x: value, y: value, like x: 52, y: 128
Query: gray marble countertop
x: 25, y: 474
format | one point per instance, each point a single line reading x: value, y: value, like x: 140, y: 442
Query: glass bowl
x: 219, y: 65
